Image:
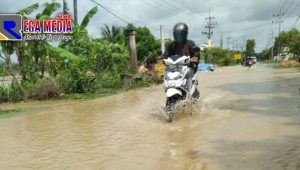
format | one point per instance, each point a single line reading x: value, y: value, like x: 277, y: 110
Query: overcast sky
x: 240, y: 19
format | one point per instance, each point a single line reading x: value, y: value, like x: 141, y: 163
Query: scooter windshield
x: 175, y: 57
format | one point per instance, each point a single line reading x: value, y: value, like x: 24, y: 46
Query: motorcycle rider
x: 183, y: 47
x: 249, y: 61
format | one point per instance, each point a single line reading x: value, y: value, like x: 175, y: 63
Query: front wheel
x: 170, y: 107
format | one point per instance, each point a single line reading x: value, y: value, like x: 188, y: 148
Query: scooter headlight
x: 172, y: 75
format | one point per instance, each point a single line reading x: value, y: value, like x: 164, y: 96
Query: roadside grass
x: 278, y: 65
x: 5, y: 113
x: 285, y: 67
x: 106, y: 92
x: 79, y: 96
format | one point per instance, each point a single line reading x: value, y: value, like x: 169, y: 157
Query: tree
x: 146, y: 44
x: 7, y: 48
x: 265, y: 54
x: 216, y: 55
x: 88, y: 16
x: 291, y: 40
x: 65, y: 7
x: 111, y: 34
x: 80, y: 45
x: 39, y: 49
x: 250, y: 47
x: 20, y: 47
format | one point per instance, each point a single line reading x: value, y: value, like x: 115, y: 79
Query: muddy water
x: 246, y: 119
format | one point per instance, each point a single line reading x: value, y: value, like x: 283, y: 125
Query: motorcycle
x: 180, y: 83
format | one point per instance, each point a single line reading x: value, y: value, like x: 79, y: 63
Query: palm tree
x: 28, y: 10
x: 110, y: 34
x: 65, y: 7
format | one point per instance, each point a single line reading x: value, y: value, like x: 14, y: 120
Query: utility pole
x: 228, y: 42
x: 75, y: 11
x: 243, y: 45
x: 162, y: 40
x: 234, y: 44
x: 221, y: 43
x: 210, y: 25
x: 272, y: 43
x: 279, y: 21
x: 132, y: 51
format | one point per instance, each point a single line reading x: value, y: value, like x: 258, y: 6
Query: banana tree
x: 39, y: 49
x: 19, y: 47
x: 80, y: 45
x: 7, y: 49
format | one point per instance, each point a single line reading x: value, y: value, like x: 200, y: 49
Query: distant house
x: 230, y: 52
x: 285, y: 55
x: 168, y: 40
x: 203, y: 46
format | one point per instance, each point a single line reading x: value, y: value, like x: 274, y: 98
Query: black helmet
x: 180, y: 32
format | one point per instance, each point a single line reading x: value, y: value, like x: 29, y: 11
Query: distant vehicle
x: 249, y: 61
x: 206, y: 67
x: 254, y: 59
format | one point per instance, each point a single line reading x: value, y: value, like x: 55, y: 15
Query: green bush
x: 109, y: 80
x: 43, y: 89
x: 269, y: 62
x: 1, y: 69
x: 4, y: 94
x: 77, y: 81
x: 12, y: 93
x: 16, y: 92
x: 227, y: 61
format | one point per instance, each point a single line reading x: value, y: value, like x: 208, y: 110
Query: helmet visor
x: 180, y: 37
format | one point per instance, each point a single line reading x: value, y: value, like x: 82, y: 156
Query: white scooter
x: 180, y: 83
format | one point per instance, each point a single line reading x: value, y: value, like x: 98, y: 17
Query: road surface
x: 246, y: 119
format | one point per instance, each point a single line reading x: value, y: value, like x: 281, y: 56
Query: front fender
x: 173, y: 91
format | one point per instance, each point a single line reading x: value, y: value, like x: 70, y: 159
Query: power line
x: 278, y: 6
x: 271, y: 33
x: 106, y: 9
x: 174, y: 7
x: 291, y: 3
x: 173, y: 10
x: 129, y: 18
x: 296, y: 21
x: 118, y: 15
x: 296, y: 6
x: 279, y: 20
x: 292, y: 11
x: 163, y: 9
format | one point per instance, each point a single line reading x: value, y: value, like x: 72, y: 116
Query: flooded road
x: 245, y: 120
